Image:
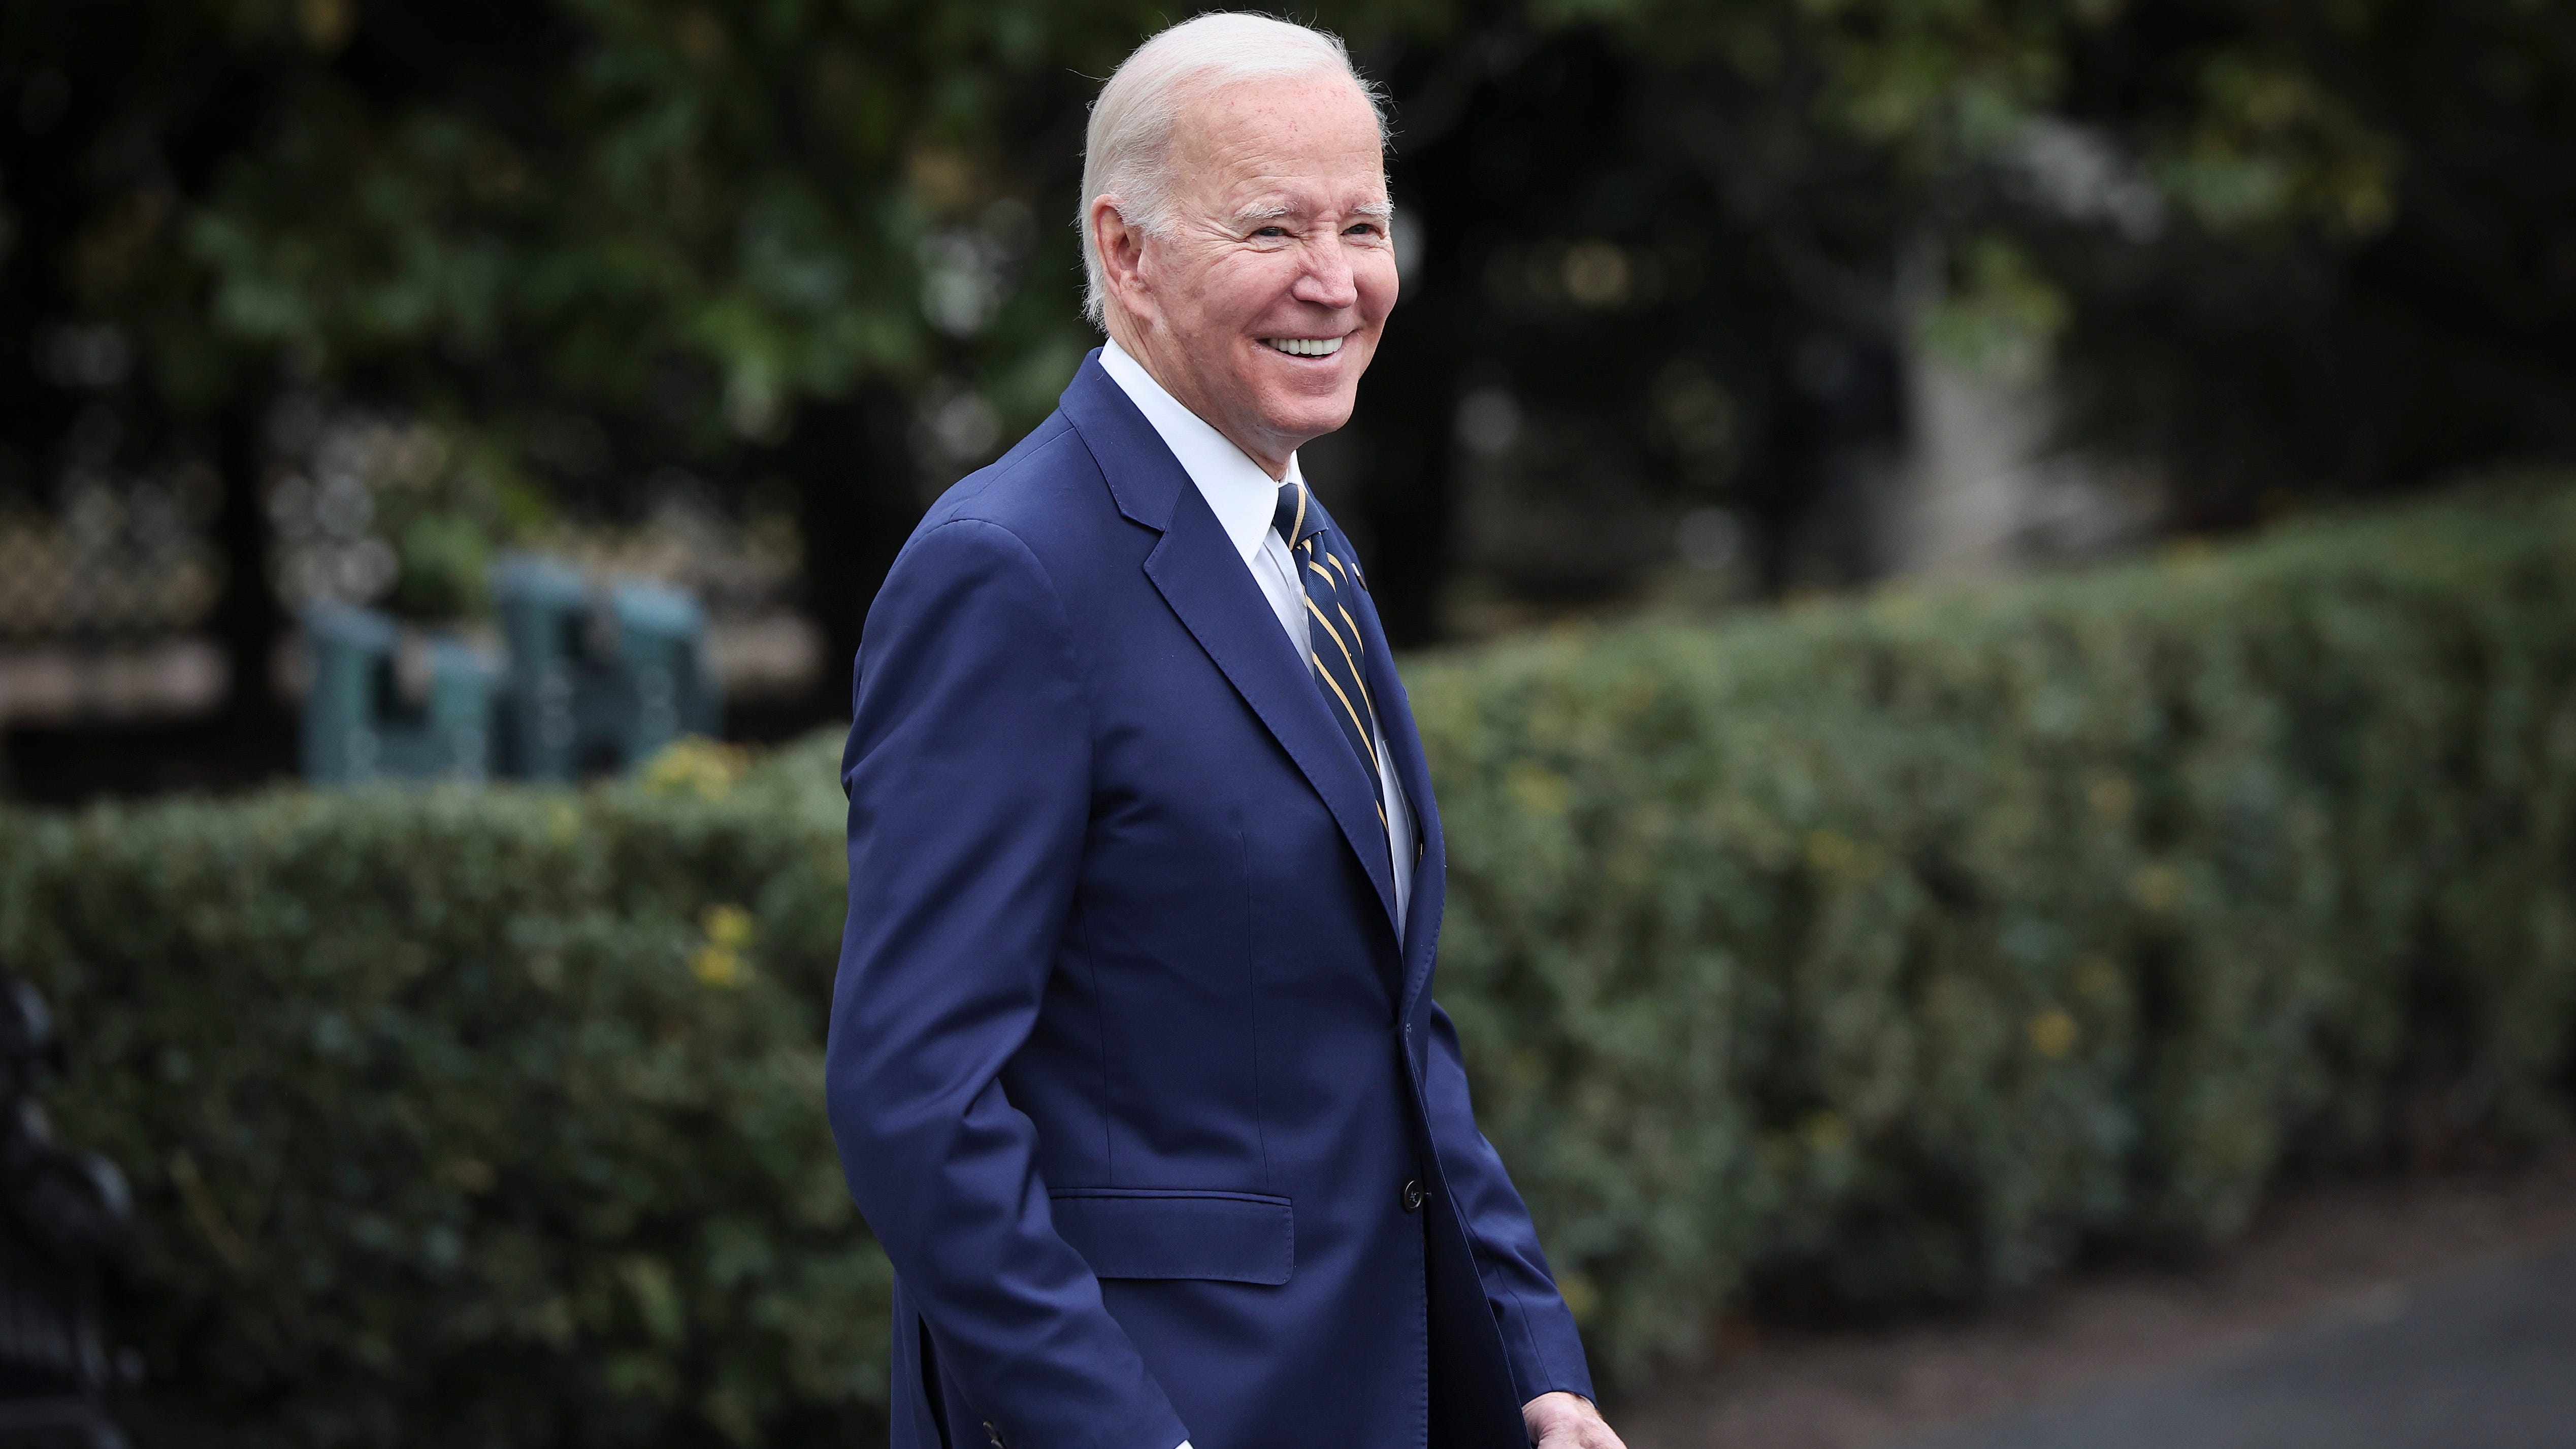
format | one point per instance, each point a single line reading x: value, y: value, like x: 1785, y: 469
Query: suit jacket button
x: 1413, y: 1196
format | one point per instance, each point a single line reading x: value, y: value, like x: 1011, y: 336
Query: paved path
x: 2484, y: 1360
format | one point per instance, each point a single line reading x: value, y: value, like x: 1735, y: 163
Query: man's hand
x: 1567, y: 1421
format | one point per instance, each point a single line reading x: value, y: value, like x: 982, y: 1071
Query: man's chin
x: 1307, y: 422
x: 1311, y: 404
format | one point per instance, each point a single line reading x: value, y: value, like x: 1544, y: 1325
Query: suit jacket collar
x: 1238, y: 492
x: 1145, y: 480
x: 1203, y: 579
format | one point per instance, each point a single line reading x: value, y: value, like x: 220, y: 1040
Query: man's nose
x: 1326, y: 279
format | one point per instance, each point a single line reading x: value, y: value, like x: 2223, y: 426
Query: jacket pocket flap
x: 1233, y: 1237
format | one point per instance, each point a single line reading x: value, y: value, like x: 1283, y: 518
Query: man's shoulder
x: 1046, y: 484
x: 1049, y: 494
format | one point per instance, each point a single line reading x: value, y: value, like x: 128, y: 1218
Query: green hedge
x: 1893, y: 952
x: 467, y: 1117
x: 1880, y: 953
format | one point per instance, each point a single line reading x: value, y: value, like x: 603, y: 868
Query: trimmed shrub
x: 467, y: 1117
x: 1885, y: 952
x: 1891, y: 953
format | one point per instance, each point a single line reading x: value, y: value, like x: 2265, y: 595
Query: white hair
x: 1126, y: 151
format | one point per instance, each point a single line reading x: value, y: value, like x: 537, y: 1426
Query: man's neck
x: 1140, y: 343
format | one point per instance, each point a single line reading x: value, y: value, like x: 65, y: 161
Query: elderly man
x: 1134, y: 1064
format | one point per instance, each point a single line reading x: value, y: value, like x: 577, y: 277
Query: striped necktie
x: 1332, y: 635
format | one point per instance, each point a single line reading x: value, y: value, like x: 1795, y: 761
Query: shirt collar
x: 1243, y: 497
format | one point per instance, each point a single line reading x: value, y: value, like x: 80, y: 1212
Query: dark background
x: 1670, y: 267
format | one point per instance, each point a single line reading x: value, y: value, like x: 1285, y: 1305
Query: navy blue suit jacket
x: 1129, y: 1069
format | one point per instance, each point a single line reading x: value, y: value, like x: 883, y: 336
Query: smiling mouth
x: 1304, y: 346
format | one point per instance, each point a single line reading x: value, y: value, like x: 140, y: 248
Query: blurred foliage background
x: 802, y: 262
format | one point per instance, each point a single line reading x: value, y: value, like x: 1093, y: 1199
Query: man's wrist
x: 1564, y: 1419
x: 1553, y: 1405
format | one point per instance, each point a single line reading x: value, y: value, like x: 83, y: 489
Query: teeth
x: 1306, y: 346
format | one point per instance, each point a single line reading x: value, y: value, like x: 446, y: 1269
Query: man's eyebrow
x: 1267, y: 211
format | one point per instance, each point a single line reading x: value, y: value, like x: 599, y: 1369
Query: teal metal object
x: 671, y: 688
x: 600, y: 677
x: 545, y: 613
x: 385, y: 704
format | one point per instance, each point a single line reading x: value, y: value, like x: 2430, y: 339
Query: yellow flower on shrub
x: 694, y: 765
x: 2097, y: 978
x: 1826, y: 1132
x: 718, y: 962
x: 2157, y: 888
x: 1837, y: 855
x: 2053, y: 1033
x: 1540, y: 790
x: 2113, y: 797
x: 1832, y: 852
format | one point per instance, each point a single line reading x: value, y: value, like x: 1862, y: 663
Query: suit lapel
x: 1204, y: 581
x: 1413, y: 773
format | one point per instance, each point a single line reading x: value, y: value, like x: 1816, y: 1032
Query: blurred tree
x: 1648, y: 278
x: 112, y: 119
x: 1666, y: 252
x: 595, y: 237
x: 2366, y: 274
x: 590, y: 237
x: 2282, y: 249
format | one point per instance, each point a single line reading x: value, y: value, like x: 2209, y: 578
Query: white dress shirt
x: 1244, y: 499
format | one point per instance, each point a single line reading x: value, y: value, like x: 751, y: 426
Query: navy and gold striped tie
x: 1332, y: 635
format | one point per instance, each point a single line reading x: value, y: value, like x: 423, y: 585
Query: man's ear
x: 1122, y: 257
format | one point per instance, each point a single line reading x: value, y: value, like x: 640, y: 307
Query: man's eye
x: 1272, y: 231
x: 1365, y: 228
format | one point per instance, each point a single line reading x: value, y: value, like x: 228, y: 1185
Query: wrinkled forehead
x: 1281, y: 146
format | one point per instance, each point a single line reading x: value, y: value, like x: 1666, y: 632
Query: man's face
x: 1260, y: 306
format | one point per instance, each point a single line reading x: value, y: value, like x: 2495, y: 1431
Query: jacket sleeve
x: 968, y: 772
x: 1539, y: 1338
